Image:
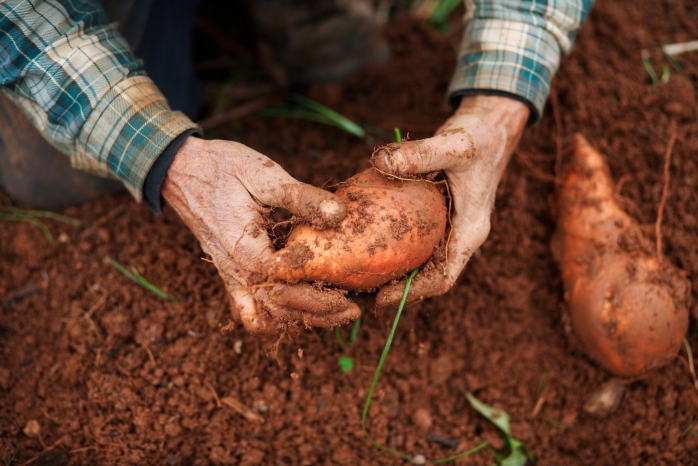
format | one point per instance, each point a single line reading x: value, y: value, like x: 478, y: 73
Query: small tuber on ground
x: 628, y: 308
x: 392, y: 226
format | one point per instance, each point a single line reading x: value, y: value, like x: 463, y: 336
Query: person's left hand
x: 472, y: 149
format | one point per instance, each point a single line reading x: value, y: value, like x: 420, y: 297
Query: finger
x: 309, y: 299
x: 427, y: 283
x: 271, y: 185
x: 330, y: 320
x: 285, y: 317
x: 442, y: 152
x: 251, y: 314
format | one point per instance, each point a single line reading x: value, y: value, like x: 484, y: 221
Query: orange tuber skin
x: 629, y: 310
x: 391, y: 227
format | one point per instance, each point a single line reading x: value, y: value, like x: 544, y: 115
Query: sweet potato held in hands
x: 391, y: 227
x: 629, y: 310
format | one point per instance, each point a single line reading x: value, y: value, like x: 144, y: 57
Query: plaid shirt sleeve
x: 514, y: 47
x: 78, y: 82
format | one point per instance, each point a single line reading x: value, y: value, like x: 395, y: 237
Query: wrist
x: 189, y: 167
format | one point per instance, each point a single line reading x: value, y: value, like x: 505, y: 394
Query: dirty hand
x: 472, y: 149
x: 219, y: 189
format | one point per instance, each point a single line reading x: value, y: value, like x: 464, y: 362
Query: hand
x: 219, y: 189
x: 472, y: 149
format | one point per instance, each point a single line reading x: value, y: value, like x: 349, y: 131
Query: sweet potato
x: 629, y: 310
x: 391, y: 227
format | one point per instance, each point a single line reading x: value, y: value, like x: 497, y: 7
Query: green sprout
x: 346, y: 363
x: 398, y: 135
x: 307, y: 109
x: 439, y: 16
x: 134, y: 275
x: 14, y: 455
x: 670, y: 58
x: 352, y: 335
x: 666, y: 73
x: 689, y: 430
x: 376, y: 374
x: 648, y: 67
x: 515, y: 452
x: 548, y: 419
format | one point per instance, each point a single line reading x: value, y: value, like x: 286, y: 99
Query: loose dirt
x: 115, y: 375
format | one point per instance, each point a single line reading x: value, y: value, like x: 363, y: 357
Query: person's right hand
x: 219, y: 189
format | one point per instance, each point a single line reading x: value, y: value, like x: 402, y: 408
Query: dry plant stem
x: 213, y: 392
x: 691, y: 366
x: 665, y: 193
x: 46, y: 449
x: 246, y: 412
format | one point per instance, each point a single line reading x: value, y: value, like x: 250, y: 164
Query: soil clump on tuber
x: 628, y: 308
x: 392, y: 226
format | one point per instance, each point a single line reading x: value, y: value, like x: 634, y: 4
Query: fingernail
x: 332, y: 210
x: 386, y: 160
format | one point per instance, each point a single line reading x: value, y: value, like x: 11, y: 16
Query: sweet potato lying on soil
x: 629, y: 310
x: 391, y: 227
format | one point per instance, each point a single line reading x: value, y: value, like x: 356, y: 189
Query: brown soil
x: 115, y: 375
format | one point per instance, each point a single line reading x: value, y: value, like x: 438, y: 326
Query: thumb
x: 441, y: 152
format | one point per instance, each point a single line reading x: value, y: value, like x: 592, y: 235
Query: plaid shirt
x: 514, y: 46
x: 78, y: 82
x: 76, y: 79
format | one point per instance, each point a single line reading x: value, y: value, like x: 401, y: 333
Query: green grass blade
x: 439, y: 17
x: 653, y: 76
x: 139, y: 279
x: 689, y: 430
x: 461, y: 455
x: 45, y: 214
x: 378, y: 371
x: 352, y: 335
x: 498, y: 417
x: 376, y: 375
x: 29, y: 219
x: 338, y: 120
x: 557, y: 424
x: 666, y: 73
x: 14, y: 455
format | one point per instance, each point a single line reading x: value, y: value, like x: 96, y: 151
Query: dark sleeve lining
x: 156, y: 176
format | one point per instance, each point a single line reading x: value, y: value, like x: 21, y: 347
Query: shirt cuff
x: 506, y: 56
x: 156, y: 176
x: 129, y: 128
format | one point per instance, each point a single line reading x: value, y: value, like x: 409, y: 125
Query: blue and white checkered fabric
x: 78, y: 82
x: 514, y: 46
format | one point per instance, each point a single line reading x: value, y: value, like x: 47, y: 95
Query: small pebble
x: 605, y: 400
x: 32, y: 429
x: 422, y: 418
x: 418, y: 460
x: 238, y: 347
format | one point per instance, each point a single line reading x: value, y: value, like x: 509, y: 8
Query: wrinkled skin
x: 219, y: 189
x: 472, y: 150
